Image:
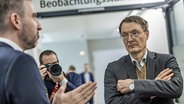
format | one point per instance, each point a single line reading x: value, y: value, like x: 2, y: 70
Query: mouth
x: 131, y: 46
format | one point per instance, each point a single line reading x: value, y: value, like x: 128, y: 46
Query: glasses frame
x: 133, y: 34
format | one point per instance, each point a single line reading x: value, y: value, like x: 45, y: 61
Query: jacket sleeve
x: 92, y: 77
x: 74, y: 81
x: 23, y: 82
x: 159, y: 88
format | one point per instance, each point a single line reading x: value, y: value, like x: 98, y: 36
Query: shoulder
x: 9, y: 52
x: 13, y: 57
x: 120, y: 61
x: 72, y: 75
x: 116, y: 66
x: 24, y: 59
x: 159, y: 56
x: 82, y: 73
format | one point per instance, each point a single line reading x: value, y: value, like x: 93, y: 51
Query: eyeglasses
x: 133, y: 34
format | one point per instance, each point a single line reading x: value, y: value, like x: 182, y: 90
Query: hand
x: 166, y: 74
x: 43, y: 71
x: 56, y: 78
x: 123, y: 85
x: 80, y: 95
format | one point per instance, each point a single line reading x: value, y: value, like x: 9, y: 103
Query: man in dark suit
x: 20, y: 81
x: 72, y: 80
x: 142, y: 76
x: 87, y: 76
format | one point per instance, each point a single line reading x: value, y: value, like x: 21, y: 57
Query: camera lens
x: 55, y: 69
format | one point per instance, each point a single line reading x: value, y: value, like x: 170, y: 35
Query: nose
x: 39, y: 25
x: 129, y: 37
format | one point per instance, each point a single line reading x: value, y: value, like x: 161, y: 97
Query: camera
x: 54, y: 69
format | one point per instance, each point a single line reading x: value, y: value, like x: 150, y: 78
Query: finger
x: 42, y: 67
x: 82, y: 87
x: 89, y: 93
x: 44, y: 74
x: 120, y: 88
x: 117, y: 87
x: 86, y: 91
x: 125, y: 89
x: 163, y: 73
x: 88, y: 98
x: 168, y: 77
x: 50, y: 75
x: 43, y: 70
x: 166, y: 73
x: 61, y: 90
x: 59, y: 94
x: 89, y: 88
x: 119, y: 81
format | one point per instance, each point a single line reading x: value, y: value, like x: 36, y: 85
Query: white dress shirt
x: 11, y: 43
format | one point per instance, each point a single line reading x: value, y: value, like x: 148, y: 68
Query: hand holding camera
x: 43, y: 71
x: 54, y: 71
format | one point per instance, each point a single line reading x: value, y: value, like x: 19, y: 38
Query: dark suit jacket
x: 91, y: 78
x: 20, y: 80
x: 164, y: 91
x: 74, y: 81
x: 83, y: 78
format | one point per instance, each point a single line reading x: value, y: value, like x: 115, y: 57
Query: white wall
x: 158, y: 40
x: 179, y: 22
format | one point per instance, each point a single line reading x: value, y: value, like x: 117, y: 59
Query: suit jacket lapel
x: 150, y: 65
x: 130, y: 68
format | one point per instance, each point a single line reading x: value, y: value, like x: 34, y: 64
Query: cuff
x: 63, y: 81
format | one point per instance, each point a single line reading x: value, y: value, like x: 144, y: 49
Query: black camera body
x: 54, y: 69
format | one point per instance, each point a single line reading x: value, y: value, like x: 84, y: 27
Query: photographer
x: 53, y: 75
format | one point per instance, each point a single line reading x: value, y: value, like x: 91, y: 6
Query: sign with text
x: 64, y: 5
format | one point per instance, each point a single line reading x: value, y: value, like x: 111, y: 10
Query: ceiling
x: 92, y: 26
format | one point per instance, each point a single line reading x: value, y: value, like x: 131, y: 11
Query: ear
x: 147, y: 34
x: 15, y: 21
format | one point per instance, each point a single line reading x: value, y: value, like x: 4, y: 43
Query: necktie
x: 53, y: 92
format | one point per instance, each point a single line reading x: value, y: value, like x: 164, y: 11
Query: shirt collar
x: 142, y: 62
x: 11, y: 43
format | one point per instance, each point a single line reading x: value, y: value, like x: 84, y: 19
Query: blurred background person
x: 72, y: 69
x: 87, y: 76
x: 53, y: 75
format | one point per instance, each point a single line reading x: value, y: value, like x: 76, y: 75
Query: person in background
x: 48, y: 58
x: 71, y: 69
x: 87, y: 76
x: 142, y: 76
x: 20, y: 81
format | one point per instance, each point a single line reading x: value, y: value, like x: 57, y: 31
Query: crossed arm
x: 167, y: 84
x: 123, y: 85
